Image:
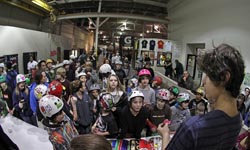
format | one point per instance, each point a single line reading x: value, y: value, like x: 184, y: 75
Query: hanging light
x: 42, y: 4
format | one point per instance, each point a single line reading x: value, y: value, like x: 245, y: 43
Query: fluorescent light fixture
x: 42, y: 4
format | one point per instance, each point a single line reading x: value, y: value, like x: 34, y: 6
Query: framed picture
x: 162, y: 57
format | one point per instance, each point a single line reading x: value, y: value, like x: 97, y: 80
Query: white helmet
x: 20, y: 78
x: 182, y: 97
x: 66, y: 62
x: 134, y: 81
x: 163, y: 94
x: 81, y: 74
x: 1, y: 65
x: 135, y: 94
x: 49, y: 105
x: 105, y: 68
x: 40, y: 91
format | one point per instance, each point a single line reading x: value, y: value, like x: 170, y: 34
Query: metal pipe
x: 112, y: 15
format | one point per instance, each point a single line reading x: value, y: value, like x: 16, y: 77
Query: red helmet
x: 158, y: 79
x: 55, y: 88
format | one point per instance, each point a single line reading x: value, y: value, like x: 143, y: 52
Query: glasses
x: 187, y: 101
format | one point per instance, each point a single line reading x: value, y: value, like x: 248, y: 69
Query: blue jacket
x: 33, y: 99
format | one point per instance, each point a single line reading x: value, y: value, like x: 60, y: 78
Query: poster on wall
x: 162, y: 57
x: 13, y: 59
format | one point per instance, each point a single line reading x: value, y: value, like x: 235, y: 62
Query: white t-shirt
x: 31, y: 65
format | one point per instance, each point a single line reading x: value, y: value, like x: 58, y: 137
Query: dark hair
x: 39, y: 65
x: 90, y: 142
x: 220, y: 61
x: 38, y: 76
x: 142, y: 77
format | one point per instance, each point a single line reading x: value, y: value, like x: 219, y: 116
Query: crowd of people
x: 114, y: 100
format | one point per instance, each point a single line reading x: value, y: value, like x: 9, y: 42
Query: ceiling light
x: 100, y: 32
x: 147, y: 31
x: 141, y: 34
x: 122, y: 28
x: 42, y: 4
x: 104, y: 36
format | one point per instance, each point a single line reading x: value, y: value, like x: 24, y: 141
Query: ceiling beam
x: 112, y: 15
x: 146, y: 2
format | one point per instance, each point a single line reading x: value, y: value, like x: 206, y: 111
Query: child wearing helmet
x: 144, y: 86
x: 161, y: 111
x: 7, y: 96
x: 104, y: 72
x: 180, y: 111
x: 21, y: 100
x: 133, y: 116
x: 105, y: 124
x: 84, y: 107
x: 56, y: 88
x: 198, y: 103
x: 60, y: 128
x: 156, y: 84
x: 2, y: 70
x: 174, y: 92
x: 50, y: 71
x: 40, y: 91
x: 94, y: 93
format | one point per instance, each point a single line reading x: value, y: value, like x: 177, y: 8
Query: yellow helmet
x: 200, y: 90
x: 49, y: 61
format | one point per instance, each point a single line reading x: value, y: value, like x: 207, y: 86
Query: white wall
x: 15, y: 40
x: 208, y: 21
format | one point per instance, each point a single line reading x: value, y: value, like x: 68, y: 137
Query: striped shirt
x: 213, y: 131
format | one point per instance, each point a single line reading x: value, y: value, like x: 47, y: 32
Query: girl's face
x: 144, y: 81
x: 136, y: 104
x: 95, y: 93
x: 44, y: 77
x: 160, y: 104
x: 113, y: 82
x: 83, y: 78
x: 21, y: 85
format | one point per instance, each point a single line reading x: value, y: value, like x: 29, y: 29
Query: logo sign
x: 126, y: 40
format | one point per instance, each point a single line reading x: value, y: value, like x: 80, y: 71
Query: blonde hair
x: 119, y: 85
x: 61, y: 71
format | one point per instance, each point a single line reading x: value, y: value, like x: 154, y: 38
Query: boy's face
x: 136, y: 104
x: 95, y: 93
x: 60, y: 116
x: 185, y: 104
x: 145, y: 81
x: 49, y: 65
x: 160, y: 103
